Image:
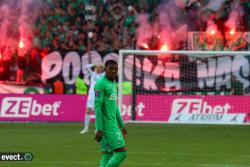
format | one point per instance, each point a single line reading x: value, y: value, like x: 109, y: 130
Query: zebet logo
x: 187, y: 105
x: 194, y: 110
x: 24, y: 107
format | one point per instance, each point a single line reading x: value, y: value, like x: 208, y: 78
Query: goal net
x: 203, y: 87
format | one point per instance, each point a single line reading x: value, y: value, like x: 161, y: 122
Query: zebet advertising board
x: 190, y: 109
x: 53, y: 108
x: 207, y: 110
x: 155, y: 108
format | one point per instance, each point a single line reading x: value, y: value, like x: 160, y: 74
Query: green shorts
x: 112, y: 140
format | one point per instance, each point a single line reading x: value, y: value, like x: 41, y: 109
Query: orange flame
x: 21, y: 44
x: 232, y: 32
x: 144, y: 45
x: 212, y: 32
x: 164, y: 47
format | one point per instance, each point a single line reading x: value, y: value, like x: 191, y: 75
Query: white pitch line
x: 138, y: 164
x: 145, y: 153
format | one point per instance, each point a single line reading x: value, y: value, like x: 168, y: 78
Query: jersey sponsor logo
x: 24, y: 107
x: 110, y: 85
x: 113, y: 96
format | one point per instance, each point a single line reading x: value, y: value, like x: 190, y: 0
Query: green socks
x: 116, y: 159
x: 105, y: 159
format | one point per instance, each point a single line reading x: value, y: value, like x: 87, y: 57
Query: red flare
x: 145, y: 46
x: 164, y: 47
x: 212, y: 32
x: 232, y: 32
x: 21, y: 44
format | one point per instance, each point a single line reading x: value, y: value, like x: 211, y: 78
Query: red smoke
x: 166, y: 27
x: 16, y: 23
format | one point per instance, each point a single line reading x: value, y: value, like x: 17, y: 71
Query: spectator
x: 35, y: 60
x: 236, y: 87
x: 22, y: 62
x: 81, y: 87
x: 58, y: 85
x: 64, y: 25
x: 7, y: 61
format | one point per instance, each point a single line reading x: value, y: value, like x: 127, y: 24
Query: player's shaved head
x: 110, y: 62
x: 111, y: 69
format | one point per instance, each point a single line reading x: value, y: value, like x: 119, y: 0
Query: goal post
x: 197, y: 87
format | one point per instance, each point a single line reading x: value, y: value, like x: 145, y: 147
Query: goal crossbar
x: 193, y: 53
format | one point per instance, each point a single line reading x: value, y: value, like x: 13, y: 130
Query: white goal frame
x: 196, y: 54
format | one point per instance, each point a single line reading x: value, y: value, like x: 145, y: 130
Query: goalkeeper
x: 108, y: 119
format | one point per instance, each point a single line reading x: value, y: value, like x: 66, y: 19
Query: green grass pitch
x: 149, y: 145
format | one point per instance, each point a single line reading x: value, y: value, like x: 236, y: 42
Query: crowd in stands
x: 109, y: 25
x: 88, y: 24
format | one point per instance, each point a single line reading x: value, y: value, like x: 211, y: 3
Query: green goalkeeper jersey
x: 107, y: 113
